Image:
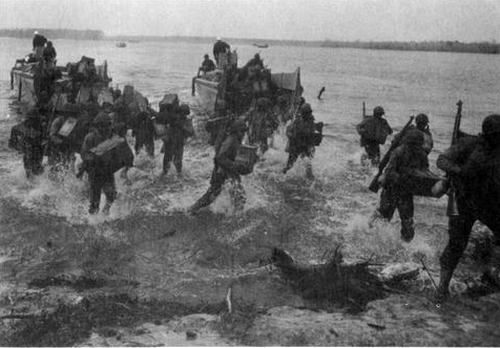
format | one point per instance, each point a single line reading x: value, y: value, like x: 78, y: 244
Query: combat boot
x: 407, y: 230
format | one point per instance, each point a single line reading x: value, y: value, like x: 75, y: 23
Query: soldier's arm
x: 453, y: 159
x: 222, y: 157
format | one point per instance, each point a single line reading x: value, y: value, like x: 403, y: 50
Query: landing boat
x: 37, y: 82
x: 220, y: 89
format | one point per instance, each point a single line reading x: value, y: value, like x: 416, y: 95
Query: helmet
x: 102, y: 119
x: 414, y: 137
x: 378, y: 111
x: 184, y: 109
x: 206, y: 56
x: 237, y: 126
x: 218, y: 38
x: 491, y: 124
x: 36, y: 32
x: 305, y: 109
x: 422, y: 118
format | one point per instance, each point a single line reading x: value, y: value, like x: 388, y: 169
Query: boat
x: 261, y: 45
x: 214, y: 92
x: 121, y: 44
x: 37, y: 83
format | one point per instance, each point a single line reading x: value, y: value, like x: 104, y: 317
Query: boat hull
x: 23, y: 82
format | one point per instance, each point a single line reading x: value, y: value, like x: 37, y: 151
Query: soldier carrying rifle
x: 473, y: 166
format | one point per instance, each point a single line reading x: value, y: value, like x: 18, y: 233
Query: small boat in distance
x: 261, y: 45
x: 121, y: 44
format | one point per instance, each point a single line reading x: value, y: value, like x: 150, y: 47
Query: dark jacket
x: 49, y: 53
x: 220, y: 47
x: 300, y: 134
x: 39, y: 40
x: 207, y: 65
x: 475, y: 171
x: 404, y: 160
x: 226, y: 154
x: 373, y: 129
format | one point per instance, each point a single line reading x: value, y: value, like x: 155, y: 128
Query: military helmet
x: 421, y: 118
x: 414, y: 137
x: 238, y: 125
x: 184, y: 109
x: 378, y: 111
x: 102, y: 119
x: 305, y: 109
x: 491, y: 124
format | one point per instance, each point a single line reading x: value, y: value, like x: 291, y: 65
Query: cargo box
x: 68, y: 127
x: 169, y: 102
x: 111, y: 155
x: 421, y: 182
x: 19, y: 134
x: 246, y: 158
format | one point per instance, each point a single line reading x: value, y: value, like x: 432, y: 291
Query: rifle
x: 451, y: 209
x: 375, y: 185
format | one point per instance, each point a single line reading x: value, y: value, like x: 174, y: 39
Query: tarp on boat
x: 289, y: 81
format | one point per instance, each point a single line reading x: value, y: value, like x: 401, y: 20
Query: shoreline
x: 426, y: 46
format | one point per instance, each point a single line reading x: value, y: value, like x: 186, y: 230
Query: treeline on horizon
x: 439, y: 46
x: 54, y: 33
x: 436, y: 46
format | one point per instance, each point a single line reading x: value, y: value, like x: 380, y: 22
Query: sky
x: 343, y: 20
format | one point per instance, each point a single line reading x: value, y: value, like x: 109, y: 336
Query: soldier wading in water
x: 473, y: 165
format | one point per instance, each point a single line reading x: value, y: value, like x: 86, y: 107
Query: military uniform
x: 473, y: 164
x: 226, y: 169
x: 100, y: 181
x: 173, y: 145
x: 32, y: 145
x: 374, y: 131
x: 396, y: 193
x: 300, y: 138
x: 262, y: 124
x: 59, y: 154
x: 144, y: 133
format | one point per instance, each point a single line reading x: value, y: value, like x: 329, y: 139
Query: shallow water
x: 149, y: 238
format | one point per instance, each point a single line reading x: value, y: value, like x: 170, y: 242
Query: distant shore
x: 435, y: 46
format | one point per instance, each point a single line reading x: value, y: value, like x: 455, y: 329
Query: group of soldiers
x: 472, y: 164
x: 472, y: 167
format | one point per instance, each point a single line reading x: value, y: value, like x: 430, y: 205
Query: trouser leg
x: 292, y: 158
x: 388, y: 202
x: 109, y: 189
x: 405, y: 209
x: 373, y: 152
x: 213, y: 191
x: 150, y: 147
x: 459, y: 229
x: 237, y: 194
x: 167, y: 157
x: 96, y: 185
x: 178, y: 154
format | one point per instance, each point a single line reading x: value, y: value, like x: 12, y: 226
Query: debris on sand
x: 352, y: 285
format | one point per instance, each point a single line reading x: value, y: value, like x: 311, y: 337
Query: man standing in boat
x: 220, y: 47
x: 38, y: 44
x: 206, y: 66
x: 226, y: 168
